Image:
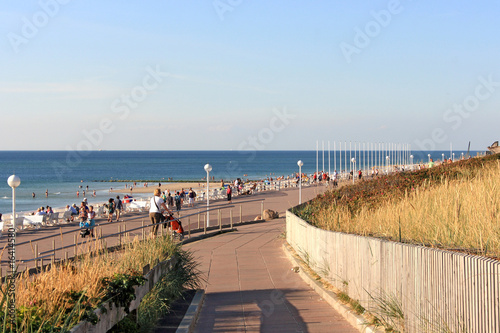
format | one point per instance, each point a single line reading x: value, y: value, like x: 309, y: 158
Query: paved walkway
x: 250, y: 286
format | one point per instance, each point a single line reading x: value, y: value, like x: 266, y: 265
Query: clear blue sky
x: 81, y: 74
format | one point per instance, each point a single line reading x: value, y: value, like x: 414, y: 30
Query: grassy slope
x: 453, y: 206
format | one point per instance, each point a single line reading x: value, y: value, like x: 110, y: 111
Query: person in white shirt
x: 41, y: 211
x: 157, y: 207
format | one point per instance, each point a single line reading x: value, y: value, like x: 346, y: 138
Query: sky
x: 245, y: 75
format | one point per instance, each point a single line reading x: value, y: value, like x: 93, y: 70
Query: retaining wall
x: 111, y: 317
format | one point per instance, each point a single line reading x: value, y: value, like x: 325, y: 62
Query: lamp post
x: 442, y: 159
x: 13, y: 181
x: 411, y: 162
x: 429, y: 156
x: 300, y: 164
x: 208, y: 168
x: 387, y: 164
x: 462, y: 156
x: 353, y: 161
x: 453, y: 155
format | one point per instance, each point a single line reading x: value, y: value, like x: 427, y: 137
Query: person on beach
x: 93, y: 193
x: 156, y: 209
x: 118, y: 207
x: 47, y: 193
x: 91, y: 223
x: 33, y: 195
x: 84, y: 213
x: 72, y: 212
x: 87, y: 221
x: 229, y: 192
x: 110, y: 206
x: 178, y: 201
x: 170, y: 200
x: 183, y: 196
x: 360, y: 174
x: 191, y: 196
x: 77, y: 194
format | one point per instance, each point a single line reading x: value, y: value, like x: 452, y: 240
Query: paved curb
x: 188, y: 322
x: 355, y: 320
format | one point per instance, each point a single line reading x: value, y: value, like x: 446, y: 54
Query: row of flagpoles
x: 364, y: 156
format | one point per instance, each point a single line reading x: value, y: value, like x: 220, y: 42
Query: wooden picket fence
x: 438, y: 291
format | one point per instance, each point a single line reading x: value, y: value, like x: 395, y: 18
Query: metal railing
x: 199, y: 217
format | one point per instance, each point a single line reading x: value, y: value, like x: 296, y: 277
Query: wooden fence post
x: 231, y: 218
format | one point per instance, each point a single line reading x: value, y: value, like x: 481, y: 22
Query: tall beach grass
x: 52, y: 295
x: 454, y: 206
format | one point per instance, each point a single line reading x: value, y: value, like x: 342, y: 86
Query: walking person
x: 229, y: 192
x: 110, y: 206
x: 191, y: 196
x: 157, y: 207
x: 178, y: 201
x: 170, y: 200
x: 91, y: 220
x: 84, y: 214
x: 119, y: 207
x: 183, y: 196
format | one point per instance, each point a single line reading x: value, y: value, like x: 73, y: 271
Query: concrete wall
x: 113, y: 316
x: 436, y: 289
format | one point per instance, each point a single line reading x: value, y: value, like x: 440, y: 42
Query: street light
x: 462, y: 156
x: 387, y: 164
x: 453, y: 155
x: 208, y: 168
x: 429, y: 156
x: 411, y: 162
x: 13, y: 181
x: 300, y: 164
x: 353, y: 161
x: 442, y: 155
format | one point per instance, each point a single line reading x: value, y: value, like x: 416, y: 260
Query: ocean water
x: 62, y: 173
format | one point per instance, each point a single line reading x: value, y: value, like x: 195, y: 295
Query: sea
x: 63, y: 173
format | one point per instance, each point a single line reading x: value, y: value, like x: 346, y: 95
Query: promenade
x: 250, y: 285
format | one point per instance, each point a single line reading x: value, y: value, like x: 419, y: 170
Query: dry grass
x: 461, y: 214
x: 48, y: 291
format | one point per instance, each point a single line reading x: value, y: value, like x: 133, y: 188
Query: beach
x: 172, y: 187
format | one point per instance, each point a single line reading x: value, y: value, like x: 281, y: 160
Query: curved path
x: 250, y: 286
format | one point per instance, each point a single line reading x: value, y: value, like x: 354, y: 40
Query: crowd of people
x: 85, y: 214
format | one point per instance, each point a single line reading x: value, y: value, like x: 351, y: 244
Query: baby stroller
x: 175, y: 226
x: 84, y: 229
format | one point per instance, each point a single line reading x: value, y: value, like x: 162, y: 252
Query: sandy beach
x: 172, y: 187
